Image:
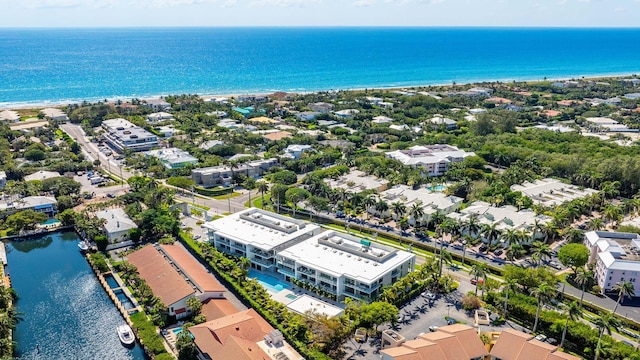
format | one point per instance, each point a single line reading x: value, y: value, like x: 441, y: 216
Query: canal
x: 66, y: 312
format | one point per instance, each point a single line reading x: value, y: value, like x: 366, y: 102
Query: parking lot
x: 417, y: 316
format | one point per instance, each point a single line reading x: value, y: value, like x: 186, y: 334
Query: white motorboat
x: 83, y: 246
x: 126, y: 335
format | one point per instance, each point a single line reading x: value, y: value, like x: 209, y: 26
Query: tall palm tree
x: 399, y: 209
x: 443, y: 256
x: 381, y: 207
x: 624, y: 289
x: 573, y: 312
x: 416, y: 212
x: 262, y: 187
x: 473, y: 226
x: 368, y: 202
x: 478, y: 271
x: 491, y: 233
x: 583, y: 278
x: 595, y: 224
x: 543, y: 293
x: 540, y: 251
x: 604, y: 323
x: 508, y: 285
x: 511, y: 236
x: 611, y: 213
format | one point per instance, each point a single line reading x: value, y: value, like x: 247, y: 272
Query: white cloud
x: 283, y: 3
x: 362, y: 3
x: 43, y: 4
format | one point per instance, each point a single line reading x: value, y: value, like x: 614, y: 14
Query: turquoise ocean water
x: 63, y: 65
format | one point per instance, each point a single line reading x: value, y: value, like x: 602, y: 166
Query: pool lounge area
x: 270, y: 283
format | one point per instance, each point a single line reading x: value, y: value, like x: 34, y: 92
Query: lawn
x: 225, y: 196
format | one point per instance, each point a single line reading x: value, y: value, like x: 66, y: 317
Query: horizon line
x: 532, y: 27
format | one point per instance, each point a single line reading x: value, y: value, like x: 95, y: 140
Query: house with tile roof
x: 164, y: 280
x: 516, y: 345
x: 244, y: 335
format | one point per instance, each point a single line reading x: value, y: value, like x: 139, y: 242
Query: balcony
x: 223, y: 241
x: 261, y: 261
x: 306, y: 270
x: 264, y: 254
x: 286, y: 271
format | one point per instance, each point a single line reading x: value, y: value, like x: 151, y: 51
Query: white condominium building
x: 551, y: 192
x: 123, y: 135
x: 617, y: 258
x: 435, y: 159
x: 344, y: 265
x: 258, y: 235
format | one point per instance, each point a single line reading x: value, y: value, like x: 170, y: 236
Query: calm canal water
x: 66, y: 312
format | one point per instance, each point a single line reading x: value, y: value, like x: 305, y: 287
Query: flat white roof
x: 306, y: 303
x: 340, y: 254
x: 430, y: 154
x: 551, y: 192
x: 506, y: 217
x: 116, y: 220
x: 260, y: 228
x: 361, y: 181
x: 427, y: 199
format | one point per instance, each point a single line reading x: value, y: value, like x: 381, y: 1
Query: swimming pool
x: 268, y: 282
x: 51, y: 222
x: 176, y: 331
x: 124, y: 299
x: 436, y: 188
x: 111, y: 281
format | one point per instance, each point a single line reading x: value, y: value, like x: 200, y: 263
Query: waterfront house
x: 164, y: 280
x: 117, y: 224
x: 244, y: 335
x: 43, y: 204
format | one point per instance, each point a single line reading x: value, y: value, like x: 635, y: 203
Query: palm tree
x: 416, y: 212
x: 511, y: 236
x: 543, y: 294
x: 473, y: 226
x: 399, y: 209
x: 368, y: 202
x: 508, y: 285
x: 624, y: 289
x: 262, y: 187
x: 574, y: 312
x: 478, y: 271
x: 540, y: 251
x: 443, y: 256
x: 595, y: 224
x: 381, y: 207
x: 611, y: 213
x: 491, y: 233
x: 604, y: 323
x: 583, y: 278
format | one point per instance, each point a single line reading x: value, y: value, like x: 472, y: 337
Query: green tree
x: 543, y: 293
x: 181, y: 182
x: 540, y: 251
x: 573, y: 255
x: 101, y: 242
x: 194, y: 305
x: 67, y: 217
x: 284, y: 177
x: 262, y: 187
x: 65, y: 202
x: 61, y: 186
x: 573, y: 312
x: 478, y: 271
x: 296, y: 195
x: 186, y: 346
x: 583, y: 278
x: 25, y: 220
x: 604, y: 323
x: 624, y: 289
x: 377, y: 313
x: 278, y: 195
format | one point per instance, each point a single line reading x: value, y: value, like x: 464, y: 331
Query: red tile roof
x: 204, y: 280
x: 165, y: 281
x: 214, y: 309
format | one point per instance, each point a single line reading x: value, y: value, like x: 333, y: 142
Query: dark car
x: 483, y: 248
x: 111, y: 195
x: 498, y: 252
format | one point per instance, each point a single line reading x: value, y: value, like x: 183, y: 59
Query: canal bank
x: 66, y: 312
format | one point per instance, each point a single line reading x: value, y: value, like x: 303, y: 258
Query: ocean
x: 39, y: 66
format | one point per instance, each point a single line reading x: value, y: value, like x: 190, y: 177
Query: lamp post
x: 464, y: 250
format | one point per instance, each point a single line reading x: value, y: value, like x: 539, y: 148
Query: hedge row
x: 213, y: 192
x: 147, y: 334
x: 581, y: 338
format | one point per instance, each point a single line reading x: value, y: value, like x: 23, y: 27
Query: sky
x: 161, y: 13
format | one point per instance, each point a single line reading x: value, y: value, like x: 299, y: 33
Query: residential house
x: 244, y: 111
x: 440, y: 121
x: 123, y: 135
x: 632, y: 96
x: 54, y: 114
x: 598, y: 124
x: 435, y: 159
x: 258, y: 235
x: 206, y: 284
x: 295, y: 151
x: 223, y: 175
x: 159, y: 116
x: 430, y: 201
x: 173, y: 158
x: 402, y: 127
x: 3, y: 179
x: 117, y: 224
x: 167, y: 131
x: 451, y: 342
x: 356, y: 181
x: 157, y: 104
x: 616, y: 256
x: 516, y: 345
x: 344, y: 265
x: 381, y: 120
x: 164, y: 280
x: 43, y: 204
x: 244, y: 335
x: 275, y: 136
x: 321, y: 107
x: 347, y: 113
x: 209, y: 144
x: 307, y: 115
x: 551, y: 192
x: 9, y: 116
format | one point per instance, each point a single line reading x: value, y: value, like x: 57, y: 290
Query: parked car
x: 111, y: 195
x: 429, y: 295
x: 483, y: 248
x: 433, y: 328
x: 540, y: 337
x: 474, y: 281
x: 196, y: 237
x: 498, y: 252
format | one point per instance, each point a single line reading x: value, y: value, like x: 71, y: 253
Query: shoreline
x: 36, y: 104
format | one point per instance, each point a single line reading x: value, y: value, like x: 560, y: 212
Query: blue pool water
x: 436, y: 188
x: 269, y: 282
x: 124, y: 299
x: 176, y: 331
x: 111, y: 281
x: 50, y: 222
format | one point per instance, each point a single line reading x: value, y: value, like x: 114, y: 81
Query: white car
x: 541, y: 337
x: 196, y: 237
x: 433, y: 328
